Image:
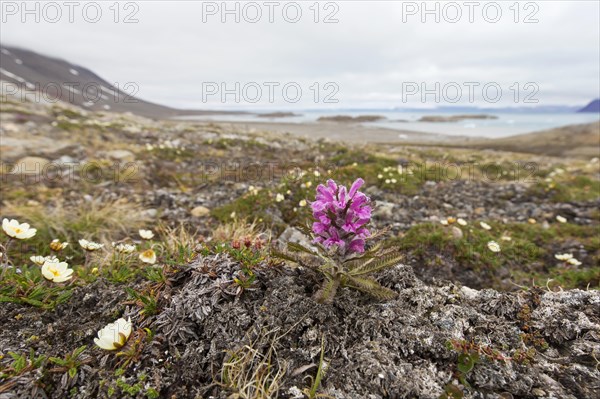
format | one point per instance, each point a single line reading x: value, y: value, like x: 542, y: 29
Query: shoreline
x: 579, y: 141
x: 343, y: 132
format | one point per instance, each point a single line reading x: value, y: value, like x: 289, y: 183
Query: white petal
x: 105, y: 344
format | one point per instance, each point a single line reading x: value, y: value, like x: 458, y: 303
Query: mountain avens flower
x: 146, y: 234
x: 123, y: 248
x: 20, y: 231
x: 40, y: 260
x: 341, y: 216
x: 564, y: 257
x: 485, y: 226
x: 148, y: 256
x: 114, y: 335
x: 574, y: 262
x: 461, y: 221
x: 493, y: 246
x: 561, y: 219
x: 279, y: 197
x: 56, y: 245
x: 56, y: 271
x: 90, y: 245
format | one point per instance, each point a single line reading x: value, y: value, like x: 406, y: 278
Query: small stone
x: 457, y: 233
x: 200, y: 211
x: 121, y: 155
x: 30, y: 166
x: 150, y: 213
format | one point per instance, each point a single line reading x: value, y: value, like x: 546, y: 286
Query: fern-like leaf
x: 371, y: 287
x: 327, y: 291
x: 286, y: 256
x: 296, y: 247
x: 375, y: 264
x: 304, y: 229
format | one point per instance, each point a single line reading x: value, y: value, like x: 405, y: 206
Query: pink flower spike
x: 355, y: 186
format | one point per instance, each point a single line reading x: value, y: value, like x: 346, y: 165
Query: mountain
x: 594, y: 106
x: 58, y: 79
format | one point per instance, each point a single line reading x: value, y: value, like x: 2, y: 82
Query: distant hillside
x: 575, y: 140
x: 66, y: 81
x: 594, y: 106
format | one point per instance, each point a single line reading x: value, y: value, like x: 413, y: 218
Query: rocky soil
x: 467, y: 322
x: 534, y: 343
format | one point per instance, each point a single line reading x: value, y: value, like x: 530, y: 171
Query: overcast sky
x: 374, y: 53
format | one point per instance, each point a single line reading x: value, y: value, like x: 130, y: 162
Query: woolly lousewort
x: 341, y: 217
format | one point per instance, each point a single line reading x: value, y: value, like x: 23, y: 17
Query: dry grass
x: 252, y: 372
x: 97, y: 220
x: 238, y: 230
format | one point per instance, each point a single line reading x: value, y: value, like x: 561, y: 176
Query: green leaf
x: 295, y: 247
x: 320, y: 372
x: 304, y: 229
x: 466, y: 361
x: 72, y: 372
x: 371, y: 287
x: 376, y: 264
x: 79, y: 351
x: 285, y: 256
x: 58, y: 360
x: 328, y: 291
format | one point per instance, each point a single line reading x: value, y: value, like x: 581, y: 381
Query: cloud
x: 374, y: 49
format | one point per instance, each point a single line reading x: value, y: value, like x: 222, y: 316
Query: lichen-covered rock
x: 211, y: 339
x: 530, y: 343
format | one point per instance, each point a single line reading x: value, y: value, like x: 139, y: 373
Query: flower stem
x: 5, y: 257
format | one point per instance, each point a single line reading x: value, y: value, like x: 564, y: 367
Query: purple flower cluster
x: 341, y: 216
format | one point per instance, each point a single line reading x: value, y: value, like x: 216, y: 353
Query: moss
x: 528, y: 255
x: 568, y: 189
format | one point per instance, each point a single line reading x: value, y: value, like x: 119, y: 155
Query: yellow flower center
x: 18, y: 230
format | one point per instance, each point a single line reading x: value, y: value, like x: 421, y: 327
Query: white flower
x: 20, y: 231
x: 56, y: 271
x: 302, y: 202
x: 308, y: 184
x: 531, y: 221
x: 493, y: 246
x: 40, y: 260
x: 148, y: 256
x: 380, y: 176
x: 56, y: 245
x: 561, y: 219
x: 146, y: 234
x: 114, y: 335
x: 124, y: 248
x: 461, y: 221
x: 90, y: 245
x: 317, y: 173
x: 387, y: 181
x: 563, y: 256
x: 444, y: 222
x: 506, y: 238
x: 485, y: 226
x: 574, y: 262
x: 279, y: 197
